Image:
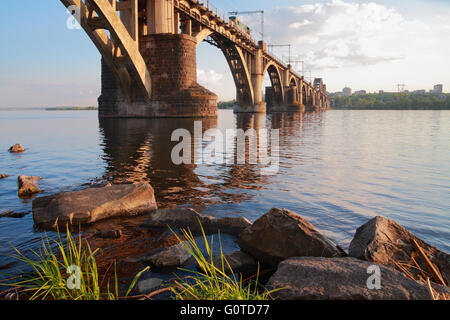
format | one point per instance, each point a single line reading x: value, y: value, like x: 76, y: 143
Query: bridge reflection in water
x: 139, y: 150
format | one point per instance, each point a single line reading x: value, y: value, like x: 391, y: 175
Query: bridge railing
x: 219, y: 14
x: 284, y: 64
x: 208, y: 5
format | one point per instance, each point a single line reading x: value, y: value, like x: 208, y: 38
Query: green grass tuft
x: 213, y: 283
x: 54, y: 268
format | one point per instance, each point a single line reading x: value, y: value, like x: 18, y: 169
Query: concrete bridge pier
x: 256, y: 103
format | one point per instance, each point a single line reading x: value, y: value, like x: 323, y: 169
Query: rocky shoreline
x: 305, y: 264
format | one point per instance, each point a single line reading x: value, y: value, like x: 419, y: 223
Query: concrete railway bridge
x: 149, y: 66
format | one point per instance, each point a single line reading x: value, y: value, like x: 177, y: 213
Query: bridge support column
x: 171, y: 60
x: 257, y: 78
x: 160, y: 16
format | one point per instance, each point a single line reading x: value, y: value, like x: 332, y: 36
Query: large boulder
x: 189, y: 218
x: 93, y: 204
x: 383, y: 241
x: 28, y: 185
x: 281, y: 234
x: 174, y: 256
x: 17, y: 148
x: 312, y: 278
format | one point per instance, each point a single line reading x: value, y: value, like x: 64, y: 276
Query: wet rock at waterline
x: 314, y: 278
x: 149, y: 285
x: 382, y: 240
x: 28, y: 185
x: 17, y: 148
x: 12, y: 214
x: 93, y: 204
x: 238, y: 261
x: 109, y: 234
x: 189, y: 218
x: 3, y: 176
x: 174, y: 256
x: 281, y: 234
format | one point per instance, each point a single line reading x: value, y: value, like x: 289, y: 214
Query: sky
x: 366, y: 45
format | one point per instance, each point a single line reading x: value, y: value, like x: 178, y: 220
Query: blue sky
x: 42, y: 63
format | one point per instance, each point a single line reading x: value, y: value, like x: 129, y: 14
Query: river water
x: 337, y: 169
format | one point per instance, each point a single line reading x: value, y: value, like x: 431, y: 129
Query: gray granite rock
x: 382, y: 240
x: 174, y: 256
x: 93, y: 204
x: 281, y: 234
x: 312, y: 278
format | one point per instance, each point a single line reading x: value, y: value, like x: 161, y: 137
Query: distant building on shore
x: 419, y: 91
x: 347, y: 92
x: 438, y: 89
x: 360, y: 93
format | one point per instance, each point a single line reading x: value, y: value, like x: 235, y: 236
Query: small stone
x: 28, y: 185
x: 17, y: 148
x: 174, y: 256
x: 12, y: 214
x: 238, y: 261
x: 189, y: 218
x: 149, y: 285
x: 109, y: 234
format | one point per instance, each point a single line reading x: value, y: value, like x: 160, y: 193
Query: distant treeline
x: 226, y: 104
x: 71, y: 109
x: 393, y: 101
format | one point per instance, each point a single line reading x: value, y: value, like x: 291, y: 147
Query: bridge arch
x: 116, y: 44
x: 196, y: 13
x: 311, y: 98
x: 202, y: 35
x: 276, y: 80
x: 293, y: 81
x: 293, y: 96
x: 238, y: 67
x: 304, y: 100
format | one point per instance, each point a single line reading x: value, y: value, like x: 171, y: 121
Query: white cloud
x: 340, y: 34
x: 298, y: 25
x: 209, y: 77
x: 221, y: 83
x: 363, y: 45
